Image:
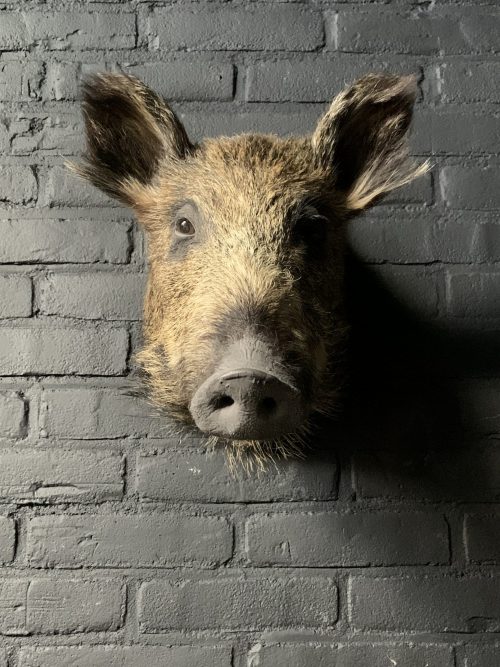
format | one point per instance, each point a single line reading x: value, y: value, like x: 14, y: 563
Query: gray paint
x: 121, y: 542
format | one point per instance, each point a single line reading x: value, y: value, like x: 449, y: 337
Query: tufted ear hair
x: 129, y: 131
x: 362, y: 139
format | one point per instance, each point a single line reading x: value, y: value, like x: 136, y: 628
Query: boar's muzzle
x: 248, y: 397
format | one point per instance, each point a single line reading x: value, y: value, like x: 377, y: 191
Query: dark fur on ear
x: 129, y: 131
x: 362, y: 139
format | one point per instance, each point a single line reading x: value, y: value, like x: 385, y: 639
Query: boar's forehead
x: 240, y: 179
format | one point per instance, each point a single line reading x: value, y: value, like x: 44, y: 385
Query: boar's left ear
x: 362, y: 139
x: 129, y: 131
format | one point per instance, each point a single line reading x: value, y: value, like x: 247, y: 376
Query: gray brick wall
x: 124, y: 546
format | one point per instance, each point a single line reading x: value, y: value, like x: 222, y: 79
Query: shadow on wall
x: 419, y: 417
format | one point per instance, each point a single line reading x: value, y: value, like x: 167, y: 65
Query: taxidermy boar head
x: 243, y: 324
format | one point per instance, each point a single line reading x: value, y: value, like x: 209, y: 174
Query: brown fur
x: 250, y: 191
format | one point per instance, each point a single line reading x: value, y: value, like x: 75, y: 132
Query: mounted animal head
x: 243, y: 322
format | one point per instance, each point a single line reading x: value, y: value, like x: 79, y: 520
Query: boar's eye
x: 311, y: 232
x: 184, y: 228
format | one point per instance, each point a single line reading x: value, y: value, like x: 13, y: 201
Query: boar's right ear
x: 361, y: 141
x: 130, y: 130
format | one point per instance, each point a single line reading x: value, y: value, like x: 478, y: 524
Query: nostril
x: 222, y: 402
x: 268, y: 405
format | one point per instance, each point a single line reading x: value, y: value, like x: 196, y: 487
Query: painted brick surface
x: 132, y: 540
x: 236, y: 603
x: 378, y: 655
x: 174, y: 80
x: 18, y: 185
x: 76, y: 412
x: 478, y: 656
x: 466, y: 475
x: 482, y: 537
x: 63, y: 350
x: 97, y: 296
x: 324, y: 540
x: 126, y: 656
x: 170, y: 477
x: 13, y: 415
x: 7, y: 539
x: 470, y: 188
x: 446, y: 604
x: 15, y: 296
x: 125, y: 543
x: 67, y: 605
x: 60, y: 475
x: 63, y: 241
x: 277, y: 28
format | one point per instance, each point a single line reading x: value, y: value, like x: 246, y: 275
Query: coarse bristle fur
x: 248, y: 269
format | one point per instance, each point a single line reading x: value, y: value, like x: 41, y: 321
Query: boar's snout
x: 247, y: 404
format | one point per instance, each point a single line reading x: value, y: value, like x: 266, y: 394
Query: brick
x: 458, y: 132
x: 61, y: 606
x: 13, y: 33
x: 187, y: 475
x: 63, y: 188
x: 81, y: 30
x: 63, y: 79
x: 15, y: 296
x: 482, y: 538
x: 13, y: 415
x: 375, y: 655
x: 57, y: 134
x: 63, y: 350
x: 4, y: 136
x: 469, y: 82
x: 187, y: 80
x: 398, y: 239
x: 13, y: 594
x: 473, y: 293
x: 20, y: 80
x: 18, y: 185
x: 467, y: 237
x: 57, y: 241
x: 59, y: 475
x: 82, y: 413
x: 10, y: 80
x: 463, y: 32
x: 470, y: 188
x: 438, y: 604
x: 94, y: 296
x: 482, y: 656
x: 7, y: 541
x: 126, y: 656
x: 361, y: 32
x: 142, y: 540
x: 478, y: 405
x: 330, y: 539
x: 238, y: 603
x: 476, y: 31
x: 460, y: 474
x: 300, y: 81
x: 311, y: 80
x: 246, y: 28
